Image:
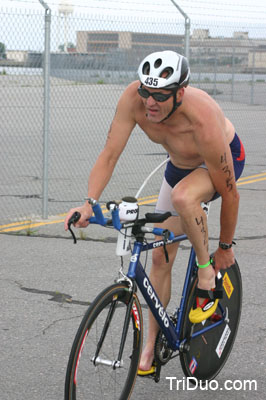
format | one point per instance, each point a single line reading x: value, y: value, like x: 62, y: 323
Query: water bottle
x: 128, y: 212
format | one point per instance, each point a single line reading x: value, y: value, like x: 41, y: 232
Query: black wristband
x: 225, y: 246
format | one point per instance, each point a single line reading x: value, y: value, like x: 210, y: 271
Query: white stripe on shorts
x: 164, y: 202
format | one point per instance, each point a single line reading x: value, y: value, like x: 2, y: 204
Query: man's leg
x: 160, y: 277
x: 187, y: 196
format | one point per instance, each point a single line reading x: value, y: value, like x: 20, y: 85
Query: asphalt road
x: 46, y: 283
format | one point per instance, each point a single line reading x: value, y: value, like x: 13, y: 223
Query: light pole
x: 46, y: 69
x: 187, y: 28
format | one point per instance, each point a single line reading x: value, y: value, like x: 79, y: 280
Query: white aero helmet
x: 164, y: 69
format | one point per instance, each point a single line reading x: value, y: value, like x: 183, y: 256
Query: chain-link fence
x: 92, y: 59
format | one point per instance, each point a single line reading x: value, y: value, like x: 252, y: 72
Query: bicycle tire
x: 84, y: 380
x: 209, y: 352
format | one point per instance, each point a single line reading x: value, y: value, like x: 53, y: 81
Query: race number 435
x: 151, y: 81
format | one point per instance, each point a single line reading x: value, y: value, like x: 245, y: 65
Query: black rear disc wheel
x: 208, y: 352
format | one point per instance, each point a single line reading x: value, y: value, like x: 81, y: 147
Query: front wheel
x: 209, y: 351
x: 93, y: 371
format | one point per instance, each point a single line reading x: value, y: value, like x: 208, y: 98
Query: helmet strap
x: 176, y: 104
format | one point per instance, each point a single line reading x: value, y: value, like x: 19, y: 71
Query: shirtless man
x: 206, y: 158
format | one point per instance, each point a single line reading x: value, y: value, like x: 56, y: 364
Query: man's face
x: 156, y: 110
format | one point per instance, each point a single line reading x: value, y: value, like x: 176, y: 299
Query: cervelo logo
x: 161, y: 243
x: 158, y: 306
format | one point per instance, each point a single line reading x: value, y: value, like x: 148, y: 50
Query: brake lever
x: 72, y: 220
x: 166, y: 235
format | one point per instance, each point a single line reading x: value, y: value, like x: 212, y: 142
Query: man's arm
x: 118, y: 135
x: 215, y: 150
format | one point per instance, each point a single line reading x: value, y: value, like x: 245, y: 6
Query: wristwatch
x: 91, y: 201
x: 226, y: 246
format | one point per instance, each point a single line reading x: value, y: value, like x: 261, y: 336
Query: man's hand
x: 85, y: 212
x: 223, y: 258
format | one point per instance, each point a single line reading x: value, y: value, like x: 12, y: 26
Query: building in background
x: 102, y: 41
x: 123, y: 51
x: 204, y: 49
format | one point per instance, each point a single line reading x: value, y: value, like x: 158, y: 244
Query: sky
x: 242, y: 10
x: 155, y: 16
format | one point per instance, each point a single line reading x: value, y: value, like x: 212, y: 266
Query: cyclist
x: 206, y: 159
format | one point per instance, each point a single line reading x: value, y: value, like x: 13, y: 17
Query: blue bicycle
x: 104, y: 359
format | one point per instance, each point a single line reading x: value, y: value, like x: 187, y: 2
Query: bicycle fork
x: 118, y: 363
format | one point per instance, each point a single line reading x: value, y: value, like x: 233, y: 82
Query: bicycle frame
x: 136, y: 272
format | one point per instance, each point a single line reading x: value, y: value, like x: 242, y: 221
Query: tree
x: 70, y: 45
x: 2, y: 50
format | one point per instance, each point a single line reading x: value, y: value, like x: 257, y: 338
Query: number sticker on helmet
x: 151, y: 81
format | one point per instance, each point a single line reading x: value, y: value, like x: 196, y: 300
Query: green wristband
x: 205, y: 265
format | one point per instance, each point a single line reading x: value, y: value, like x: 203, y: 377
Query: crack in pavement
x: 59, y: 320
